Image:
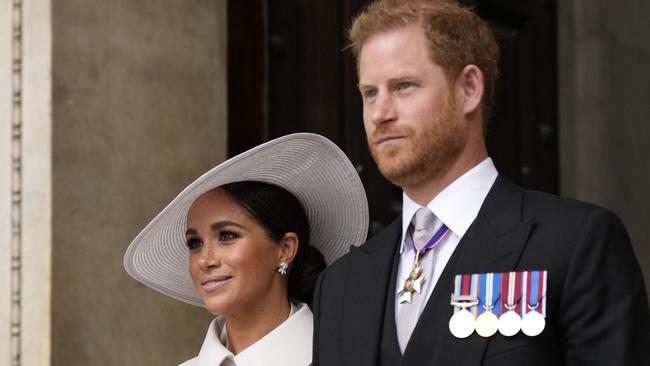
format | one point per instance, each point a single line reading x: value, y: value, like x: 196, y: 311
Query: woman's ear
x: 288, y: 247
x: 472, y: 85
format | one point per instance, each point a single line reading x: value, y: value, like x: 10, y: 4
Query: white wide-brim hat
x: 309, y: 166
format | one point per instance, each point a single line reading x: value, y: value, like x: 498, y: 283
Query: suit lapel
x: 493, y: 243
x: 365, y: 290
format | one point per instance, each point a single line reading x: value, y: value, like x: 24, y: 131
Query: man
x: 427, y: 71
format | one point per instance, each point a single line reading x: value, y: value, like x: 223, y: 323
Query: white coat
x: 290, y: 344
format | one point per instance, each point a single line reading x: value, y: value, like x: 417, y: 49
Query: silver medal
x: 462, y: 324
x: 532, y: 324
x: 509, y: 323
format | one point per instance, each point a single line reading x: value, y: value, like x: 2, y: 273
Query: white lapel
x: 290, y: 344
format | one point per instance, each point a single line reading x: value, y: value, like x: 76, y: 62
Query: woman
x: 255, y: 232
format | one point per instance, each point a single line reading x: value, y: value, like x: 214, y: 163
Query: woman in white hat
x: 248, y: 239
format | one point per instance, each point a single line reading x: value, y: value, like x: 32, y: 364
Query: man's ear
x: 471, y: 83
x: 288, y: 247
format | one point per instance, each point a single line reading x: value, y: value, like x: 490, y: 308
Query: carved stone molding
x: 16, y: 183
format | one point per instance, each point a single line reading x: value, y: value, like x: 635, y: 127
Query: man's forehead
x: 393, y: 62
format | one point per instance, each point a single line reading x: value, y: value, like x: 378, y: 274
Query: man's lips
x: 388, y: 139
x: 213, y: 283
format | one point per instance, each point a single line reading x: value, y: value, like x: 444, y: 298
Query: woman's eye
x: 227, y: 235
x: 193, y: 243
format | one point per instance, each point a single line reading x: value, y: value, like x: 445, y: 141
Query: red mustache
x: 385, y: 132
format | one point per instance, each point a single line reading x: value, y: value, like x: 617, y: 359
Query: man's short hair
x: 457, y: 36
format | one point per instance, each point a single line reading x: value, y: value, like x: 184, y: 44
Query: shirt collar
x: 459, y: 203
x: 289, y: 343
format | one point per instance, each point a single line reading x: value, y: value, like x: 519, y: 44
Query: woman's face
x: 233, y: 263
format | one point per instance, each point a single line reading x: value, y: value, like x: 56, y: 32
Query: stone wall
x: 123, y: 104
x: 139, y: 111
x: 604, y: 110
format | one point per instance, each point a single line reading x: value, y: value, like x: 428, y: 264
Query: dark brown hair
x: 279, y: 212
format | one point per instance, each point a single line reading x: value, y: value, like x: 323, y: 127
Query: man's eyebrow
x: 390, y: 81
x: 360, y: 86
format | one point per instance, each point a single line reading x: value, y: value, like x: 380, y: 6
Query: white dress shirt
x: 290, y: 344
x: 456, y: 206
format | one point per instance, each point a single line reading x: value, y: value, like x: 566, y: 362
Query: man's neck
x: 426, y: 191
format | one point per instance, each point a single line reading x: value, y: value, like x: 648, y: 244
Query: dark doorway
x: 288, y: 72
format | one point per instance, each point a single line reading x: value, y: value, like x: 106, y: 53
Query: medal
x: 507, y: 302
x: 510, y: 321
x: 413, y: 283
x: 533, y: 322
x: 462, y: 323
x: 487, y: 323
x: 415, y: 280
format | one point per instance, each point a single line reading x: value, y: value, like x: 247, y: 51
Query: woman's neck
x: 246, y: 328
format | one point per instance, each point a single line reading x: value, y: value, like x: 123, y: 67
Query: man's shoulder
x: 540, y: 205
x: 544, y: 205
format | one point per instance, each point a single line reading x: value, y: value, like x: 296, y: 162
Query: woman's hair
x: 279, y: 212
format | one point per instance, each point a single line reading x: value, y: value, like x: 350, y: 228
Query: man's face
x: 413, y: 123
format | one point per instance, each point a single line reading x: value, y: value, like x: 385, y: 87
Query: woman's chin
x: 215, y: 308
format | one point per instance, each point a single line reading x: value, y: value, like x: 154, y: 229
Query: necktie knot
x: 423, y: 225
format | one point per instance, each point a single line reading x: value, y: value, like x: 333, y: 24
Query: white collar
x: 459, y: 203
x: 288, y: 344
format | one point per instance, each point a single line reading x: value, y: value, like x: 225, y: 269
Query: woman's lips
x: 212, y: 284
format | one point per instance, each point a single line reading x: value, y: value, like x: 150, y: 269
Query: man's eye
x: 193, y: 243
x: 370, y: 93
x: 404, y: 85
x: 227, y: 235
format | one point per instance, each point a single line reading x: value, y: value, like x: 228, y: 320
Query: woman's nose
x: 208, y: 257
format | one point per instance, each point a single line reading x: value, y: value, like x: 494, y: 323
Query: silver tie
x: 422, y: 229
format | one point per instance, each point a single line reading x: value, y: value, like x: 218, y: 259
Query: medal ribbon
x: 437, y: 237
x: 511, y: 291
x: 464, y: 286
x: 496, y: 294
x: 467, y: 284
x: 536, y: 288
x: 489, y: 292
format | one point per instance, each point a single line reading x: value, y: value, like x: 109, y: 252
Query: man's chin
x: 396, y: 171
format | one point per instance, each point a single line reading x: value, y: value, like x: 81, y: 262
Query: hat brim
x: 309, y: 166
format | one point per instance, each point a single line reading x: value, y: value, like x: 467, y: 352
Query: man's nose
x: 382, y: 110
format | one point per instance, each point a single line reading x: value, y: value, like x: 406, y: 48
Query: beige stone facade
x: 107, y: 110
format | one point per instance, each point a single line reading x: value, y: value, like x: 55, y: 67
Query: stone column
x: 604, y: 53
x: 26, y: 209
x: 107, y: 110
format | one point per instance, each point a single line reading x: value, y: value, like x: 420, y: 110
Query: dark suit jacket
x: 597, y: 309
